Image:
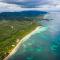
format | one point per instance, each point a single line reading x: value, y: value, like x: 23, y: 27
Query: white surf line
x: 37, y: 30
x: 21, y: 41
x: 41, y: 29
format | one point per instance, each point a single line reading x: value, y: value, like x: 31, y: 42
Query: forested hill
x: 18, y: 15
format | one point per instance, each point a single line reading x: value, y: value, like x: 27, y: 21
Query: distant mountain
x: 19, y: 15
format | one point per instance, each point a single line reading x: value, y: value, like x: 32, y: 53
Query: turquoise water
x: 44, y: 44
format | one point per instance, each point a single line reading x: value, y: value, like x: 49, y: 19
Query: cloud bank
x: 20, y: 5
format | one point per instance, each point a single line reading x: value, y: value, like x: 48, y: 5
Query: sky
x: 19, y: 5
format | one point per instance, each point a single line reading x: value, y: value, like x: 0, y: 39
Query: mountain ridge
x: 18, y: 15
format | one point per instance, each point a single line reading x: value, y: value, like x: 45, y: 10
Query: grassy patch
x: 11, y: 32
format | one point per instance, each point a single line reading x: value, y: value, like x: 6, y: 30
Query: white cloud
x: 5, y: 7
x: 52, y: 5
x: 26, y: 3
x: 9, y: 7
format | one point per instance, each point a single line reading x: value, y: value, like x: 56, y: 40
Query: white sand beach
x: 22, y: 40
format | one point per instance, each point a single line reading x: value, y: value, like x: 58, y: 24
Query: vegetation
x: 11, y: 33
x: 14, y: 26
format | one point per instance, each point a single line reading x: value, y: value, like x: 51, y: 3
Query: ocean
x: 44, y: 44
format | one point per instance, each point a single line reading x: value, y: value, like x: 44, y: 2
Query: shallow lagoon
x: 44, y: 44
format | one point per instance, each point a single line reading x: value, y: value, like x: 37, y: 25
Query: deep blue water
x: 43, y: 45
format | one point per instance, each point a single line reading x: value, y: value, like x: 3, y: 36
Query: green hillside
x: 11, y: 33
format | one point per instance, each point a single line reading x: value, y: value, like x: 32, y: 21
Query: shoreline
x: 21, y: 41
